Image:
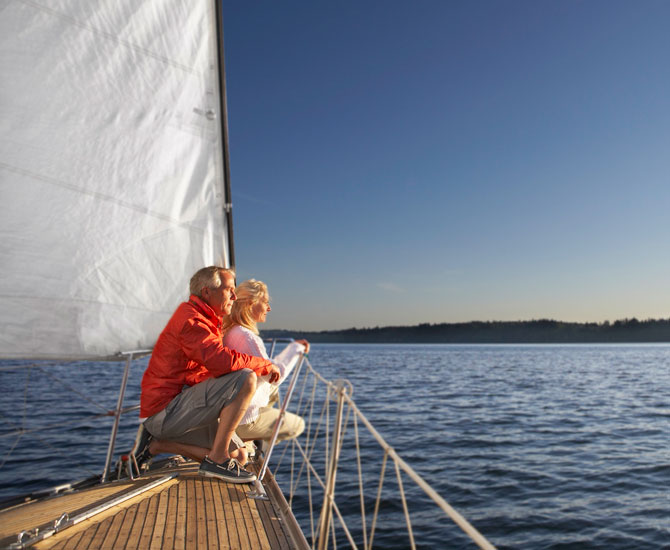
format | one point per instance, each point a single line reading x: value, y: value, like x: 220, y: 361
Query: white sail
x: 111, y: 170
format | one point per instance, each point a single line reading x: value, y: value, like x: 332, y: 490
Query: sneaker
x: 228, y: 470
x: 141, y: 449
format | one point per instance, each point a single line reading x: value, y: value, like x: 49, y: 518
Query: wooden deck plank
x: 221, y: 522
x: 145, y: 535
x: 87, y: 536
x: 160, y: 526
x: 211, y: 516
x: 203, y: 508
x: 189, y: 519
x: 71, y: 543
x: 269, y: 530
x: 126, y: 526
x: 253, y: 522
x: 68, y: 544
x: 236, y: 494
x: 112, y: 534
x: 231, y: 510
x: 229, y: 518
x: 100, y: 531
x: 180, y: 525
x: 268, y: 520
x: 191, y: 524
x: 272, y: 525
x: 171, y: 519
x: 132, y: 533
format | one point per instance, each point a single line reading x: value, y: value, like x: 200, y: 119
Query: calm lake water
x: 540, y: 447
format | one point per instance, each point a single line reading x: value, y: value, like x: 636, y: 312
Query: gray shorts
x: 192, y: 417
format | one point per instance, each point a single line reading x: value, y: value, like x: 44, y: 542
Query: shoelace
x: 232, y: 463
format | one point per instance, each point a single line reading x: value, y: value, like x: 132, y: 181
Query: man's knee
x: 249, y: 382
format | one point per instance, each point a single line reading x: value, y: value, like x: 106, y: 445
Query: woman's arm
x: 288, y: 358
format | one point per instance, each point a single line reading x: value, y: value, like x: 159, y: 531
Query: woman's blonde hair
x: 248, y: 294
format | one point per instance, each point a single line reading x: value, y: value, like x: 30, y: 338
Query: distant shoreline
x: 542, y: 331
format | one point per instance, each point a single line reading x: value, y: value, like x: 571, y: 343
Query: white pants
x: 263, y: 427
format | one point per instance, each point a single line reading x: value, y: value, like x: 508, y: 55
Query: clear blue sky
x: 401, y: 162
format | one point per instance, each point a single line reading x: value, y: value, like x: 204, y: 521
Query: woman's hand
x: 304, y: 343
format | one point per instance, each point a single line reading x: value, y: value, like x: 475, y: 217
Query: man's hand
x: 273, y: 372
x: 304, y: 343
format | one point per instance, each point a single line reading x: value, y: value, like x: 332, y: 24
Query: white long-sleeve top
x: 243, y: 340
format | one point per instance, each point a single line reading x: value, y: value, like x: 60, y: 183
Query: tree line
x: 538, y: 331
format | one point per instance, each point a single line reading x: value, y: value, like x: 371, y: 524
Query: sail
x: 112, y: 176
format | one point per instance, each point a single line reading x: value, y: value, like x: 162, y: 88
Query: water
x: 543, y: 447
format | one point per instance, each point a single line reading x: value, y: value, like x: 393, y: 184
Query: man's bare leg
x: 229, y: 418
x: 173, y: 447
x: 191, y: 451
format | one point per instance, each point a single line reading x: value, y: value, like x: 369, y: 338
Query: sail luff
x: 223, y: 98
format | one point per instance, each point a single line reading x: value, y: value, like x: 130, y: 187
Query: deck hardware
x: 258, y: 492
x: 61, y: 521
x: 24, y: 535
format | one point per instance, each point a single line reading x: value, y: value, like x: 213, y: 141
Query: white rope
x: 361, y: 492
x: 379, y: 497
x: 404, y: 506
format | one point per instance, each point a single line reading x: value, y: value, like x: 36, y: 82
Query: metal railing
x: 315, y: 460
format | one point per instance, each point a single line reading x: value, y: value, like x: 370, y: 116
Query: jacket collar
x: 204, y: 308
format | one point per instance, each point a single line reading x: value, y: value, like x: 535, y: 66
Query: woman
x: 241, y: 334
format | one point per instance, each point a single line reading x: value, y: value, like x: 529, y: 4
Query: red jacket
x: 188, y: 351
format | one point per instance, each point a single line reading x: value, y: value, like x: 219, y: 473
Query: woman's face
x: 260, y: 310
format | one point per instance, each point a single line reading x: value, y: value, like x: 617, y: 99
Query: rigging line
x: 73, y: 390
x: 404, y: 506
x: 311, y: 507
x: 107, y: 198
x: 361, y: 490
x: 114, y: 38
x: 379, y: 497
x: 9, y: 453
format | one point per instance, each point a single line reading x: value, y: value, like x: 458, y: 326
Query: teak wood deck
x: 177, y: 509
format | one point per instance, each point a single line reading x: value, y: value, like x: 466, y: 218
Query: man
x: 195, y: 391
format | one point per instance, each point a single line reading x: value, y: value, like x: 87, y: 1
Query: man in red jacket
x: 195, y: 391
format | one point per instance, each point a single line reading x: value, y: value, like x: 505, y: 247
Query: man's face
x: 221, y: 299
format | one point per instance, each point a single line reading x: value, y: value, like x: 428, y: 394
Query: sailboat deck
x: 177, y: 509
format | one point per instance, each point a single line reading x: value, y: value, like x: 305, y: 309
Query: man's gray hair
x: 208, y: 277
